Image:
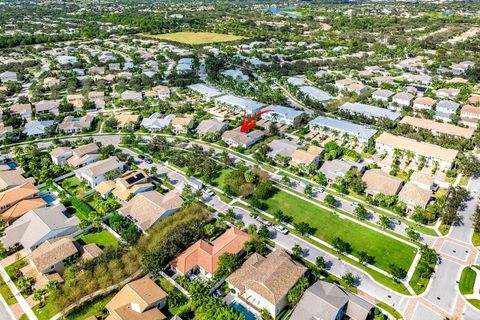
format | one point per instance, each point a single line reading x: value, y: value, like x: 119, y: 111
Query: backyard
x: 101, y: 238
x: 384, y: 249
x: 92, y: 308
x: 74, y: 186
x: 194, y: 38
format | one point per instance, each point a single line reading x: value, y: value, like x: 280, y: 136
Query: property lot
x: 384, y: 249
x: 196, y: 37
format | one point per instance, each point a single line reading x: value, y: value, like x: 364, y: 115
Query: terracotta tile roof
x: 13, y: 178
x: 138, y: 294
x: 60, y: 151
x: 13, y: 195
x: 22, y: 207
x: 123, y: 119
x: 206, y: 255
x: 105, y: 186
x: 474, y: 99
x: 52, y: 252
x: 270, y: 277
x: 470, y: 109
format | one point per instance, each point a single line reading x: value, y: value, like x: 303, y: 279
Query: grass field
x: 467, y: 281
x: 417, y: 283
x: 7, y: 293
x: 92, y: 308
x: 195, y: 37
x: 385, y: 250
x: 103, y: 239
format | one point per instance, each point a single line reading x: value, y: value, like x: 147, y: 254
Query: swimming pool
x: 48, y: 197
x: 12, y: 165
x: 240, y: 308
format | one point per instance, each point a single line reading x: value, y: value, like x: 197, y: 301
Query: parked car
x: 141, y: 157
x: 209, y: 192
x: 264, y: 222
x: 148, y: 160
x: 281, y: 229
x: 355, y: 204
x: 395, y: 221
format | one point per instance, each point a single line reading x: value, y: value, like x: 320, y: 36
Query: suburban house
x: 157, y: 121
x: 38, y: 226
x: 71, y: 124
x: 211, y: 127
x: 50, y: 82
x: 203, y: 257
x: 438, y: 128
x: 36, y: 128
x: 415, y: 196
x: 282, y: 147
x: 8, y: 76
x: 94, y: 173
x: 84, y: 155
x: 161, y: 92
x: 48, y: 106
x: 235, y: 74
x: 264, y: 282
x: 129, y: 183
x: 369, y: 111
x: 181, y: 125
x: 305, y: 158
x: 470, y: 115
x: 141, y: 299
x: 130, y: 95
x: 51, y: 255
x: 206, y: 91
x: 382, y: 95
x: 12, y: 178
x: 239, y: 105
x: 445, y: 158
x: 447, y: 93
x: 423, y: 180
x: 60, y: 155
x: 17, y: 201
x: 125, y: 120
x: 97, y: 98
x: 403, y: 99
x: 315, y: 94
x: 327, y: 124
x: 423, y: 103
x: 280, y: 114
x: 444, y: 109
x: 338, y: 168
x: 329, y: 301
x: 236, y: 138
x: 76, y: 100
x: 378, y: 181
x: 146, y: 208
x: 23, y: 110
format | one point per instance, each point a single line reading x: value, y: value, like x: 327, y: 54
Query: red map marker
x: 249, y: 123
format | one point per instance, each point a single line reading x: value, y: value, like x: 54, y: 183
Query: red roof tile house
x: 203, y: 256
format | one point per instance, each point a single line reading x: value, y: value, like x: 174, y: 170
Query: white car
x: 355, y: 204
x: 281, y: 229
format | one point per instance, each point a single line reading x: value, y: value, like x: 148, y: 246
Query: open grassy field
x: 195, y: 37
x: 102, y: 238
x: 384, y: 249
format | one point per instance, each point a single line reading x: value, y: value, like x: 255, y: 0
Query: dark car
x: 147, y: 160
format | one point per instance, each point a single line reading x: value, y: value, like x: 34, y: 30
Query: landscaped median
x: 467, y: 285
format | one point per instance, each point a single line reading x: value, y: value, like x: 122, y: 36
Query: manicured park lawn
x: 475, y: 303
x: 384, y: 249
x: 92, y: 308
x: 195, y: 37
x: 476, y: 239
x: 467, y: 280
x: 418, y: 284
x: 220, y: 180
x: 103, y: 239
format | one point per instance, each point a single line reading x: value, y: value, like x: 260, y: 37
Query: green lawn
x: 195, y: 38
x: 390, y: 309
x: 219, y: 182
x: 11, y: 269
x: 418, y: 284
x: 467, y: 281
x: 164, y: 284
x: 386, y: 250
x: 46, y: 312
x: 74, y: 186
x: 92, y: 308
x: 476, y: 239
x: 103, y: 239
x: 475, y: 303
x: 6, y: 293
x: 82, y: 209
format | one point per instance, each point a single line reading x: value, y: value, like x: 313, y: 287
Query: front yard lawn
x: 467, y: 281
x: 384, y: 249
x: 102, y: 238
x: 46, y: 312
x: 7, y: 293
